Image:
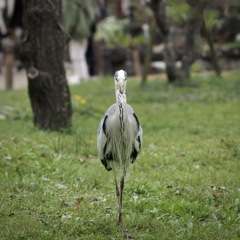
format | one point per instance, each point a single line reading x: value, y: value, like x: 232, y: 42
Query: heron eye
x: 116, y: 79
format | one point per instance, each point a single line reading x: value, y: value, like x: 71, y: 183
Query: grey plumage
x: 119, y: 145
x: 119, y: 137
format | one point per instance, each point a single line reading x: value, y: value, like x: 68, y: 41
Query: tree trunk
x: 159, y: 10
x: 193, y: 27
x: 148, y: 56
x: 214, y: 59
x: 136, y: 60
x: 43, y: 50
x: 9, y: 63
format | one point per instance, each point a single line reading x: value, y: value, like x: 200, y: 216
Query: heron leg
x: 117, y: 189
x: 120, y: 218
x: 116, y: 184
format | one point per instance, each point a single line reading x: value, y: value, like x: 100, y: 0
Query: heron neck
x: 121, y: 100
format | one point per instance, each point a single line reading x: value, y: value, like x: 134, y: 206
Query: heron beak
x: 121, y: 86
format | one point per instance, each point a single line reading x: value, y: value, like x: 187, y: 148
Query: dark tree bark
x: 159, y: 9
x: 193, y: 27
x: 214, y: 59
x: 43, y: 51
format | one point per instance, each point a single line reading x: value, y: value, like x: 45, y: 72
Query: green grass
x: 53, y: 186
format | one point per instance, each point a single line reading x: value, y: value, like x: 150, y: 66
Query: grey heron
x: 119, y: 137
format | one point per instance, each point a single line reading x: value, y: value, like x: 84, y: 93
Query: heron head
x: 120, y: 78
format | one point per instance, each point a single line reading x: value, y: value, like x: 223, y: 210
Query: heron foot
x: 127, y: 234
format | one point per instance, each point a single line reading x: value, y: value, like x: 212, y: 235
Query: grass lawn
x: 185, y: 183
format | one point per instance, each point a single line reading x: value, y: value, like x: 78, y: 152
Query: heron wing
x: 102, y: 137
x: 137, y: 144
